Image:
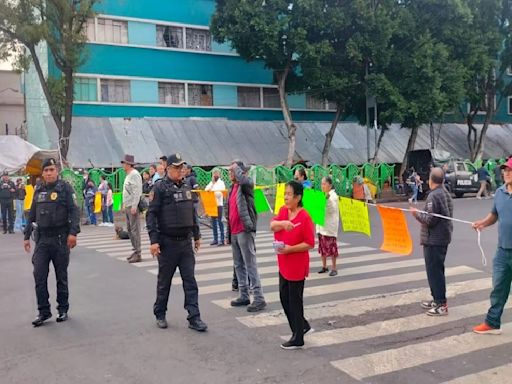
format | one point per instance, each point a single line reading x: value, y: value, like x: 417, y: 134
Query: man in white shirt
x: 132, y: 192
x: 217, y: 186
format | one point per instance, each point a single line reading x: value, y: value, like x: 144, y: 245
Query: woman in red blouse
x: 294, y: 235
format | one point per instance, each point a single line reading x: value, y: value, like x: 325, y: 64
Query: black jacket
x: 435, y: 230
x: 244, y: 202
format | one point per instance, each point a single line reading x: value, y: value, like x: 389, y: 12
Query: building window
x: 509, y: 105
x: 199, y: 39
x: 271, y: 98
x: 115, y: 91
x: 171, y: 93
x: 90, y: 30
x: 167, y: 36
x: 112, y: 31
x: 314, y: 103
x: 249, y: 97
x: 85, y: 89
x: 199, y: 94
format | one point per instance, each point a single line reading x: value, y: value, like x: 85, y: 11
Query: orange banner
x: 397, y: 238
x: 209, y: 203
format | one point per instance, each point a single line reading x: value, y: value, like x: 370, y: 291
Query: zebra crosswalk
x: 346, y: 310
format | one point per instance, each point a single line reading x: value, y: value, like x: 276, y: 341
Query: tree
x: 279, y: 33
x: 486, y: 54
x: 359, y: 33
x: 61, y: 25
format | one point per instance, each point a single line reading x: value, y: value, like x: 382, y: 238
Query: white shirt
x: 332, y: 216
x: 218, y: 187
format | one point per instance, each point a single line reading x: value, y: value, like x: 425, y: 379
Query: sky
x: 4, y: 65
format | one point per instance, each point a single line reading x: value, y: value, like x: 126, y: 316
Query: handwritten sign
x: 279, y: 197
x: 354, y: 216
x: 209, y: 203
x: 397, y: 238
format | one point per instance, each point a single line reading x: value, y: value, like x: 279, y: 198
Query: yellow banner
x: 279, y: 197
x: 29, y: 189
x: 209, y: 203
x: 397, y: 238
x: 97, y: 202
x: 354, y: 216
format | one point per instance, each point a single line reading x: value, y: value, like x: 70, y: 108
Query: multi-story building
x: 12, y: 109
x: 153, y: 72
x: 157, y: 59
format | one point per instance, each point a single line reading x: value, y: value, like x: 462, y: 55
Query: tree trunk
x: 471, y: 136
x: 379, y: 142
x: 68, y: 113
x: 410, y: 147
x: 288, y: 121
x: 329, y: 135
x: 489, y: 115
x: 432, y: 136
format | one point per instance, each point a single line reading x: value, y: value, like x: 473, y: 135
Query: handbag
x: 143, y: 205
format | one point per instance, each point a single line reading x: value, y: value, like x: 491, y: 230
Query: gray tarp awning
x: 101, y: 142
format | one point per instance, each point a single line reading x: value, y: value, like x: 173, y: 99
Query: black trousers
x: 7, y: 215
x: 176, y: 254
x: 434, y: 263
x: 54, y: 249
x: 291, y: 295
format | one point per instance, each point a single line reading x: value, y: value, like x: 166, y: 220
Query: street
x: 369, y: 327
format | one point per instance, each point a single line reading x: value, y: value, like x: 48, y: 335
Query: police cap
x: 175, y: 159
x: 48, y: 162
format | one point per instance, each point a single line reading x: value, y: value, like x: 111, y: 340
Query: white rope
x: 479, y: 233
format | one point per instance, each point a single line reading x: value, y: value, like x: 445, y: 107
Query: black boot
x: 40, y: 319
x: 62, y: 317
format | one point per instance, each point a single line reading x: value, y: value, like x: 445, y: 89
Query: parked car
x: 460, y: 177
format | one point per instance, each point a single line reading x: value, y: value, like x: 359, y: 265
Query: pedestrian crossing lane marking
x: 345, y: 286
x: 397, y: 359
x: 498, y: 375
x: 393, y: 326
x: 362, y: 305
x: 209, y: 289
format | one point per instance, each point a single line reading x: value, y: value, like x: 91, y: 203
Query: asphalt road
x: 368, y: 325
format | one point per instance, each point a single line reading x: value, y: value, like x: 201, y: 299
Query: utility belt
x: 53, y: 232
x: 177, y: 236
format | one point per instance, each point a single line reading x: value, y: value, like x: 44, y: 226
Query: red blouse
x: 295, y: 266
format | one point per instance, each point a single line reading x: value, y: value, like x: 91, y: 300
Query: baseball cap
x: 175, y: 159
x: 508, y: 164
x: 48, y: 162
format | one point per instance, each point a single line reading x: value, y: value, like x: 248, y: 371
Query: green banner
x: 315, y: 203
x: 117, y: 199
x: 261, y: 202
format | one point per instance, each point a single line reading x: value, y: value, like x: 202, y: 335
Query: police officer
x: 57, y: 224
x: 171, y: 224
x: 7, y: 192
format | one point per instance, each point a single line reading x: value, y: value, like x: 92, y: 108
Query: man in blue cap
x: 55, y: 217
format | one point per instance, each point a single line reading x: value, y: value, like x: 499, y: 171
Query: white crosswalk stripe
x: 490, y: 376
x: 392, y: 360
x: 367, y: 278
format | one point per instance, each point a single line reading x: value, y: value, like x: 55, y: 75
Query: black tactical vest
x: 177, y: 207
x: 51, y: 206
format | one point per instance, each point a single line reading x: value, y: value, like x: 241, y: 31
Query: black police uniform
x: 171, y: 223
x: 6, y: 204
x: 56, y: 215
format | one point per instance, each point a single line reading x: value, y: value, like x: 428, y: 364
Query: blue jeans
x: 244, y: 258
x: 414, y: 192
x: 217, y: 221
x: 110, y: 214
x: 501, y: 280
x: 20, y: 219
x: 90, y: 214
